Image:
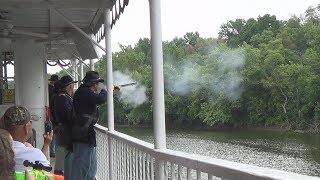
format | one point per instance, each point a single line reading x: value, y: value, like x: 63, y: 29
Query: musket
x: 128, y: 84
x: 122, y: 85
x: 37, y: 166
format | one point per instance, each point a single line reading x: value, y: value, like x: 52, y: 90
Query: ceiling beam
x: 50, y: 23
x: 29, y: 33
x: 64, y: 4
x: 78, y: 29
x: 54, y: 30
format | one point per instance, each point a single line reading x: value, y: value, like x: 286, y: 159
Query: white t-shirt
x: 31, y: 154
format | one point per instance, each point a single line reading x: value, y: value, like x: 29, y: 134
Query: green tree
x: 192, y: 38
x: 279, y: 81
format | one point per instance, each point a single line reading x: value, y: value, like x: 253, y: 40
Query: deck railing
x: 135, y: 159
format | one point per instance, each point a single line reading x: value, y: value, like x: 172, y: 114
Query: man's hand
x: 48, y: 138
x: 116, y: 89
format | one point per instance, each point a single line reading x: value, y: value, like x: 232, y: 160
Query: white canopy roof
x: 38, y: 19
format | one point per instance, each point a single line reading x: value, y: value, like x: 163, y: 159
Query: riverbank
x: 206, y: 128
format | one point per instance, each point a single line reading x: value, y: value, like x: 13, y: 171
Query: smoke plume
x: 220, y: 73
x: 134, y: 95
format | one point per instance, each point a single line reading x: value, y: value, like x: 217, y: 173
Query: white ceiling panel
x: 38, y: 17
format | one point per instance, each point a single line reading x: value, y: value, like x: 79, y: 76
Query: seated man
x: 17, y: 120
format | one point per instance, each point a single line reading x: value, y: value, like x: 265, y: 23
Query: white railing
x: 135, y: 159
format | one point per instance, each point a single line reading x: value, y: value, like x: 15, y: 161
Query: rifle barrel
x: 128, y: 84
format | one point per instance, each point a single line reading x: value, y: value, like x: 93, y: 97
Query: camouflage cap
x: 16, y: 115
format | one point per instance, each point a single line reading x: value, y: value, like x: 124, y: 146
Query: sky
x: 204, y: 16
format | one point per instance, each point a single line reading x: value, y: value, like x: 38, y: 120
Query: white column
x: 45, y: 76
x: 5, y: 75
x: 91, y: 65
x: 109, y: 74
x: 75, y: 71
x: 109, y: 78
x: 5, y: 44
x: 73, y: 68
x: 30, y: 86
x: 157, y: 84
x: 1, y: 81
x: 2, y: 107
x: 76, y: 78
x: 81, y: 71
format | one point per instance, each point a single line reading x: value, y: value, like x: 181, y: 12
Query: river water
x: 299, y: 153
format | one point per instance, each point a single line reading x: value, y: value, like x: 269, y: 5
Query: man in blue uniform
x: 52, y: 88
x: 63, y: 110
x: 53, y: 79
x: 86, y: 101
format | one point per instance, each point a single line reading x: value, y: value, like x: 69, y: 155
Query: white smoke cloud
x: 188, y: 77
x: 224, y: 78
x: 229, y: 65
x: 134, y: 95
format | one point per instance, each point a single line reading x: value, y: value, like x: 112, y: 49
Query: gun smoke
x: 134, y: 95
x: 220, y: 73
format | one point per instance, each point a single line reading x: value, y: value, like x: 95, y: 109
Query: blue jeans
x: 84, y: 162
x: 68, y: 158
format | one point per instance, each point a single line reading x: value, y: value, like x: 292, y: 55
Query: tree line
x: 259, y: 72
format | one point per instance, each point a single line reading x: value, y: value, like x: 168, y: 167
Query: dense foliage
x: 260, y: 72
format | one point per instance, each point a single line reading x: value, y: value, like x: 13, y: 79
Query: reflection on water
x: 299, y: 153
